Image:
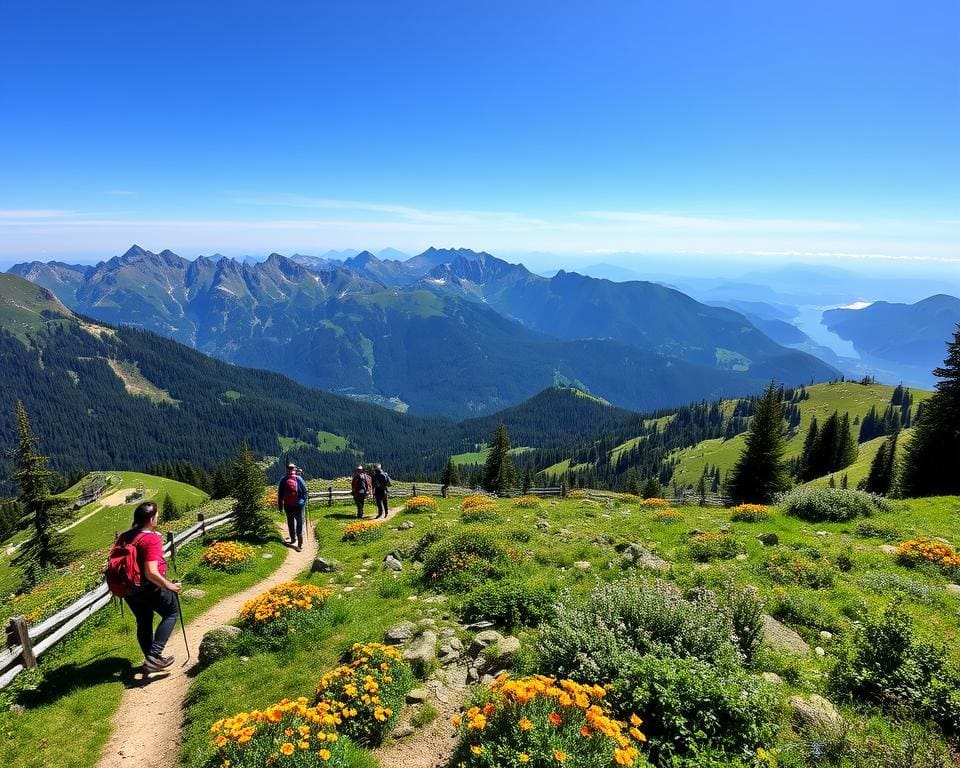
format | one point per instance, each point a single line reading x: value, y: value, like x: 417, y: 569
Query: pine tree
x: 806, y: 458
x: 250, y: 518
x: 881, y: 476
x: 500, y: 474
x: 760, y: 473
x: 846, y: 446
x: 931, y: 462
x: 528, y: 479
x: 169, y: 510
x: 652, y: 488
x: 451, y: 473
x: 47, y: 547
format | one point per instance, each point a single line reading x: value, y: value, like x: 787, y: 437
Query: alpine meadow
x: 477, y: 386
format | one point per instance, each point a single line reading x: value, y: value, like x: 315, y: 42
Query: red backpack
x: 291, y: 491
x: 123, y: 566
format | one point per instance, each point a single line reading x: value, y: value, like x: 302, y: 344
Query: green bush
x: 687, y: 705
x: 796, y: 569
x: 874, y: 529
x: 592, y: 639
x: 714, y: 545
x: 799, y: 610
x: 746, y: 615
x: 481, y: 515
x: 431, y: 537
x: 888, y: 666
x: 831, y: 504
x: 522, y: 535
x: 463, y: 560
x: 508, y: 603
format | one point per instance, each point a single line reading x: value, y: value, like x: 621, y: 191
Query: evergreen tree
x: 631, y: 481
x: 760, y: 473
x: 451, y: 473
x: 500, y: 474
x: 931, y: 462
x: 832, y: 482
x: 806, y: 458
x: 47, y: 547
x: 10, y: 518
x: 846, y: 445
x: 251, y: 520
x: 220, y: 483
x: 169, y: 511
x: 528, y: 479
x: 881, y: 475
x: 652, y: 488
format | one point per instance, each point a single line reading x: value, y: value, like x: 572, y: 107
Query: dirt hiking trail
x: 146, y: 729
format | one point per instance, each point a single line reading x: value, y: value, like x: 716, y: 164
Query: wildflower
x: 286, y: 748
x: 559, y: 755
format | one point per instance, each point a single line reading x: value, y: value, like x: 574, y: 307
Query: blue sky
x: 777, y: 130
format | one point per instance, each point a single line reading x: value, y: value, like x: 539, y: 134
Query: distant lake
x: 808, y: 320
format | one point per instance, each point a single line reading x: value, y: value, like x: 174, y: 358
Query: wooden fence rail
x: 25, y: 643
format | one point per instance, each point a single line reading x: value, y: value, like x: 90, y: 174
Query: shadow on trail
x: 68, y: 678
x: 341, y: 515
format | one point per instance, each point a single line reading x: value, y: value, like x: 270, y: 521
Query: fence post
x: 329, y: 495
x: 203, y: 525
x: 173, y: 550
x: 563, y: 490
x: 19, y: 634
x: 414, y: 489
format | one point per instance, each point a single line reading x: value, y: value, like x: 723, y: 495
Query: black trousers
x: 381, y: 500
x: 295, y: 524
x: 143, y: 604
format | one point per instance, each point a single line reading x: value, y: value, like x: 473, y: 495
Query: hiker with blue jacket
x: 381, y: 481
x: 291, y: 499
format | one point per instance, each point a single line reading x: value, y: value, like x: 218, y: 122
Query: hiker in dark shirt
x: 291, y: 499
x: 360, y: 487
x: 381, y: 481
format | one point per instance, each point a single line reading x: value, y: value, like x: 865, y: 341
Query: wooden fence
x: 26, y: 643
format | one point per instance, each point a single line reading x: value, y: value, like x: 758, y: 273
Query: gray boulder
x: 324, y: 565
x: 637, y: 556
x: 483, y: 640
x: 400, y: 633
x: 421, y: 653
x: 781, y: 637
x: 814, y: 711
x: 217, y: 644
x: 501, y: 654
x: 768, y: 539
x: 391, y: 563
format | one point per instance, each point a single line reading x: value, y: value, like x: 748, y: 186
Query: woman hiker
x: 157, y: 594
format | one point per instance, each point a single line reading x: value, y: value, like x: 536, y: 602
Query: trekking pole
x: 186, y: 645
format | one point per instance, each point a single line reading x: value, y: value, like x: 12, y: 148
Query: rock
x: 417, y: 696
x: 565, y: 533
x: 820, y: 651
x: 582, y: 565
x: 953, y: 589
x: 402, y: 731
x: 406, y: 525
x: 888, y: 549
x: 741, y: 557
x: 392, y: 563
x: 448, y: 655
x: 772, y: 677
x: 487, y: 679
x: 427, y: 622
x: 824, y: 635
x: 324, y: 565
x: 400, y: 633
x: 217, y: 643
x: 193, y: 594
x: 433, y: 599
x: 484, y: 639
x: 501, y: 654
x: 472, y: 675
x: 637, y: 556
x: 455, y: 643
x: 267, y: 555
x: 781, y: 637
x: 18, y: 709
x: 814, y: 711
x: 447, y: 631
x: 349, y: 589
x: 768, y: 539
x: 542, y: 525
x: 822, y: 534
x: 421, y: 653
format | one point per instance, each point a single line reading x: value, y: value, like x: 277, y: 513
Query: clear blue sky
x: 740, y: 127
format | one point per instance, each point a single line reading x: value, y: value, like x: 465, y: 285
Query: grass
x: 71, y: 699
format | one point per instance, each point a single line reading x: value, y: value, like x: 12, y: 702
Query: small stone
x: 358, y: 577
x: 267, y: 555
x: 324, y: 565
x: 772, y: 677
x: 455, y: 643
x: 217, y: 643
x: 542, y: 525
x: 413, y: 598
x: 400, y: 633
x: 953, y: 589
x: 815, y: 711
x: 433, y: 599
x: 484, y: 639
x: 819, y: 651
x: 427, y: 622
x: 402, y: 731
x: 18, y: 709
x: 503, y: 652
x: 824, y: 635
x: 193, y: 594
x: 406, y: 525
x: 244, y: 659
x: 741, y: 557
x: 888, y: 549
x: 582, y: 565
x: 447, y: 631
x: 768, y: 539
x: 349, y: 589
x: 421, y: 653
x: 781, y: 637
x: 606, y: 517
x: 472, y: 675
x: 417, y: 696
x: 392, y: 563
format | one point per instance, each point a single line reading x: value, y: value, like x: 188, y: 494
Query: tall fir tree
x: 43, y: 515
x: 251, y: 520
x: 806, y: 458
x: 451, y: 473
x: 500, y: 474
x: 761, y: 472
x: 931, y: 462
x: 528, y: 479
x: 881, y: 476
x: 652, y: 488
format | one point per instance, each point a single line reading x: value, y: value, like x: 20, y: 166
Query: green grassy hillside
x: 855, y: 399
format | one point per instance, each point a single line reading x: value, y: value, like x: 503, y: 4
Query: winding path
x: 146, y: 728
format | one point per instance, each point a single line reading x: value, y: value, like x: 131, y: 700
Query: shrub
x: 508, y: 603
x: 463, y: 560
x: 523, y: 535
x: 884, y: 582
x: 420, y: 504
x: 713, y: 545
x: 368, y: 693
x: 229, y: 556
x: 544, y: 722
x: 926, y: 550
x: 888, y: 666
x: 591, y: 639
x: 363, y: 531
x: 746, y: 615
x: 471, y: 503
x: 527, y: 502
x: 481, y: 516
x: 668, y: 516
x: 794, y: 568
x: 800, y: 610
x: 687, y: 704
x: 654, y: 503
x: 874, y: 529
x: 437, y: 533
x: 285, y: 608
x: 750, y: 513
x: 287, y: 733
x: 831, y: 504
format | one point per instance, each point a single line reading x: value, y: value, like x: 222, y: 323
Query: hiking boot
x: 297, y: 548
x: 157, y: 663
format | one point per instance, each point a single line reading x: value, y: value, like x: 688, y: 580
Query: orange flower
x: 286, y: 748
x: 525, y: 725
x: 555, y: 719
x: 559, y: 755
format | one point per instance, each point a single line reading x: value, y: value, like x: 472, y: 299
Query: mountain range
x: 446, y: 332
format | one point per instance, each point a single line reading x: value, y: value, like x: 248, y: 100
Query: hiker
x: 156, y: 593
x: 360, y: 487
x: 381, y: 481
x: 291, y: 499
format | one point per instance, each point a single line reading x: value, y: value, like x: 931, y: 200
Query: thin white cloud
x: 720, y: 223
x: 40, y: 213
